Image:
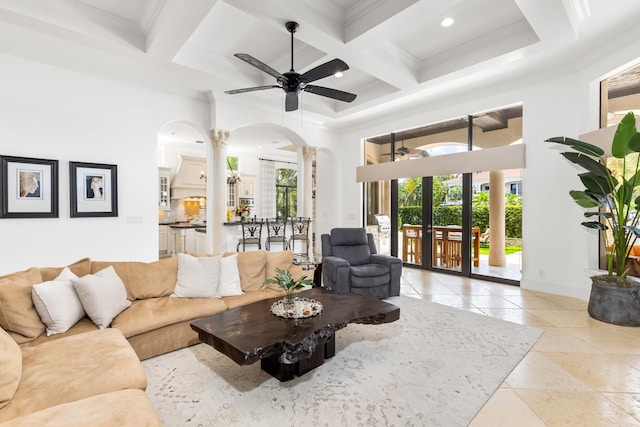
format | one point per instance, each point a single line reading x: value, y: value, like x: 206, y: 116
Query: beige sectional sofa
x: 92, y: 376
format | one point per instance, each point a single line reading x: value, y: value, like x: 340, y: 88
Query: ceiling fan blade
x: 330, y: 93
x: 260, y: 65
x: 291, y: 101
x: 324, y: 70
x: 250, y: 89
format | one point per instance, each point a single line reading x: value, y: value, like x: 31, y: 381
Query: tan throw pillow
x: 57, y: 303
x: 197, y: 276
x: 17, y: 313
x: 79, y: 268
x: 252, y: 270
x: 103, y: 296
x: 10, y: 366
x: 144, y: 280
x: 282, y: 260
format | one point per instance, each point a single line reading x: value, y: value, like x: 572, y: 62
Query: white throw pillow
x: 229, y: 284
x: 197, y: 276
x: 103, y: 295
x: 57, y: 303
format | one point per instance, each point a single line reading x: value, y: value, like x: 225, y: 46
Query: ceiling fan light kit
x: 292, y: 82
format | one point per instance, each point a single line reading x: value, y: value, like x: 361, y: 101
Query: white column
x: 496, y: 219
x: 308, y: 154
x: 217, y: 193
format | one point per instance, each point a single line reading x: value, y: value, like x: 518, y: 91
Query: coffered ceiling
x: 397, y: 50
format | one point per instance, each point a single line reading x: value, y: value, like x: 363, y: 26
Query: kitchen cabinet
x: 164, y: 190
x: 182, y: 239
x: 163, y: 239
x: 201, y: 243
x: 246, y: 186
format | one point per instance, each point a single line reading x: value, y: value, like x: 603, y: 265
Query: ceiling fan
x: 293, y: 83
x: 404, y: 151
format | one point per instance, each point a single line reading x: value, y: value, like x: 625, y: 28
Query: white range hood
x: 189, y: 180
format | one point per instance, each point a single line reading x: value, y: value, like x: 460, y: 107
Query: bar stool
x: 251, y: 234
x: 299, y: 232
x: 276, y: 229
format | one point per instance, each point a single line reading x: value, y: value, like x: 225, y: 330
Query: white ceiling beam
x: 174, y: 25
x: 549, y: 19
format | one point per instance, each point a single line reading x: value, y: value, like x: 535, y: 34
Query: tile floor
x: 581, y: 372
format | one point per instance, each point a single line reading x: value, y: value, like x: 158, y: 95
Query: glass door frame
x: 427, y: 219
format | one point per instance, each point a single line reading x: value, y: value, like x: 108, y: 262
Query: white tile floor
x: 581, y: 372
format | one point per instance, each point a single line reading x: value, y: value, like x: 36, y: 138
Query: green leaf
x: 600, y: 214
x: 584, y: 200
x: 586, y: 162
x: 634, y: 143
x: 624, y: 193
x: 595, y: 224
x: 595, y: 183
x: 625, y: 131
x: 634, y: 230
x: 581, y: 146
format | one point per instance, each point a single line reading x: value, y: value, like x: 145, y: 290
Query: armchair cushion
x: 369, y: 275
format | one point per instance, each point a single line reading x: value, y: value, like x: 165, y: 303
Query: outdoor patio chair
x: 351, y: 264
x: 484, y: 237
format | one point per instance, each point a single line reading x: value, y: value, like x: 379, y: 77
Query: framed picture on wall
x: 93, y: 189
x: 29, y: 187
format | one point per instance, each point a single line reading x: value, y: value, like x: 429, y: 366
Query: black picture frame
x: 29, y: 187
x: 93, y: 189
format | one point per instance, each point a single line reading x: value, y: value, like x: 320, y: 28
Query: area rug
x: 435, y: 366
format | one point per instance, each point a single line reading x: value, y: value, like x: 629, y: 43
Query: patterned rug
x: 436, y: 366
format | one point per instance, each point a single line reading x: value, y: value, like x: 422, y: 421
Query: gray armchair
x: 351, y: 264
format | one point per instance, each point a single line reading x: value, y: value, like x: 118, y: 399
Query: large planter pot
x: 614, y: 304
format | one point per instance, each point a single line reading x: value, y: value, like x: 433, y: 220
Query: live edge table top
x: 249, y: 333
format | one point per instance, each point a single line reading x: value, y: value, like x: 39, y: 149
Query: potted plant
x: 614, y: 297
x: 286, y: 282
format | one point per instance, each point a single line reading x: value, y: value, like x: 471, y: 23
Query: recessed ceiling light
x: 447, y: 22
x: 199, y: 142
x: 338, y: 74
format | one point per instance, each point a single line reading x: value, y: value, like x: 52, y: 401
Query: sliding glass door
x: 443, y: 219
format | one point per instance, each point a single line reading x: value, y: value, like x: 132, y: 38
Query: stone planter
x: 614, y: 304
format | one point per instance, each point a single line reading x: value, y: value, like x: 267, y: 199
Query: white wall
x: 559, y: 254
x: 52, y: 113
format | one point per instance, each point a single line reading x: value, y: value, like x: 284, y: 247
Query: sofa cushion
x: 84, y: 325
x: 229, y: 283
x: 144, y: 280
x: 251, y: 296
x: 282, y: 260
x: 57, y: 303
x: 118, y: 408
x: 153, y: 313
x: 63, y: 371
x: 252, y: 266
x: 79, y: 268
x: 198, y: 277
x: 103, y: 296
x: 17, y: 313
x: 10, y: 366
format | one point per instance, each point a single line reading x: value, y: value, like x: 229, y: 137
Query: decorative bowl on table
x: 298, y: 308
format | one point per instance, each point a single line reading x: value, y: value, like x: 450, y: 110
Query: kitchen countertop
x: 183, y: 225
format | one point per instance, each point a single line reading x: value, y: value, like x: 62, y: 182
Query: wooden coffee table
x: 289, y: 347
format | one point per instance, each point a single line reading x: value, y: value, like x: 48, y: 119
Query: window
x: 286, y: 193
